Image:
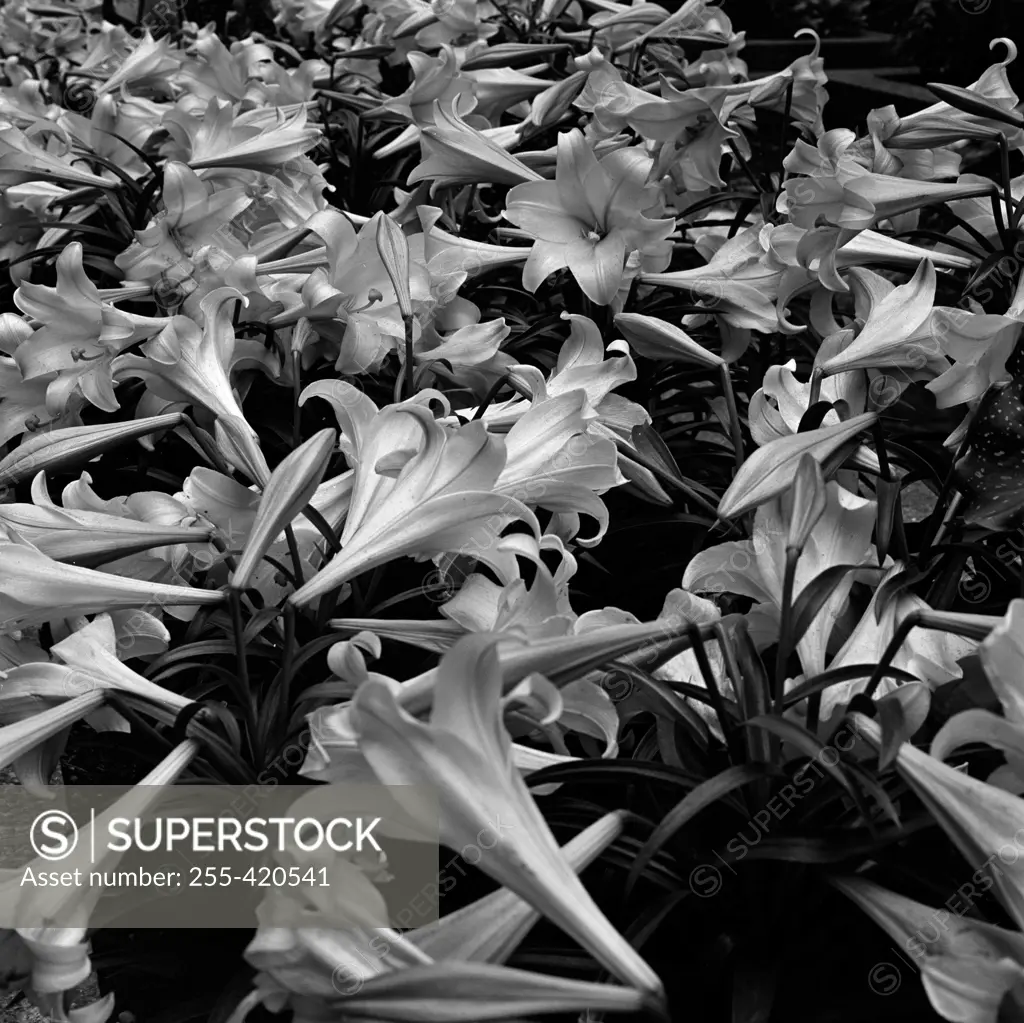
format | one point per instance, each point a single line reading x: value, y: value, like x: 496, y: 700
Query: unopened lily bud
x: 809, y: 500
x: 394, y: 254
x: 931, y: 133
x: 550, y: 106
x: 288, y: 491
x: 302, y: 335
x: 54, y: 450
x: 658, y: 339
x: 976, y: 104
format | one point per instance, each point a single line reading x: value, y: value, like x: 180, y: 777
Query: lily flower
x: 562, y: 657
x: 465, y: 751
x: 993, y: 87
x: 88, y: 538
x: 194, y: 221
x: 554, y: 462
x: 1002, y: 655
x: 434, y: 79
x: 895, y: 334
x: 584, y: 363
x: 419, y: 489
x: 455, y: 153
x: 67, y: 908
x: 223, y: 138
x: 23, y: 404
x: 35, y: 589
x: 23, y: 160
x: 928, y: 654
x: 355, y: 289
x: 446, y: 253
x: 980, y: 819
x: 590, y: 218
x: 193, y: 364
x: 301, y: 968
x: 756, y: 567
x: 971, y: 970
x: 835, y: 188
x: 78, y: 337
x: 737, y: 282
x: 50, y: 961
x: 90, y: 662
x: 979, y: 344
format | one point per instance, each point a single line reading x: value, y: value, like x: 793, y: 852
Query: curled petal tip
x: 1011, y: 49
x: 810, y: 32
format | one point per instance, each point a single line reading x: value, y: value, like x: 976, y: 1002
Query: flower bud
x: 288, y: 491
x: 657, y: 339
x: 58, y: 449
x: 809, y: 500
x: 551, y: 105
x: 302, y: 335
x: 394, y: 254
x: 974, y: 103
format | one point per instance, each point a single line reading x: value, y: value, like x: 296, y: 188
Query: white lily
x: 466, y: 752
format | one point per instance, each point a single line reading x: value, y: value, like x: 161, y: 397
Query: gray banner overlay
x: 219, y: 856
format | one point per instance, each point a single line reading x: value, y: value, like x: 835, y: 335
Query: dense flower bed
x: 518, y: 398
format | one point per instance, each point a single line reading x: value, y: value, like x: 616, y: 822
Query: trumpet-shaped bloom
x: 465, y: 751
x: 584, y: 363
x: 972, y: 972
x: 419, y: 488
x: 224, y: 138
x: 833, y: 187
x: 993, y: 87
x: 87, y: 537
x: 928, y: 654
x: 756, y: 567
x: 78, y: 337
x: 553, y: 462
x: 1002, y: 656
x: 36, y: 589
x: 896, y: 334
x: 456, y: 153
x: 589, y: 218
x: 310, y: 967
